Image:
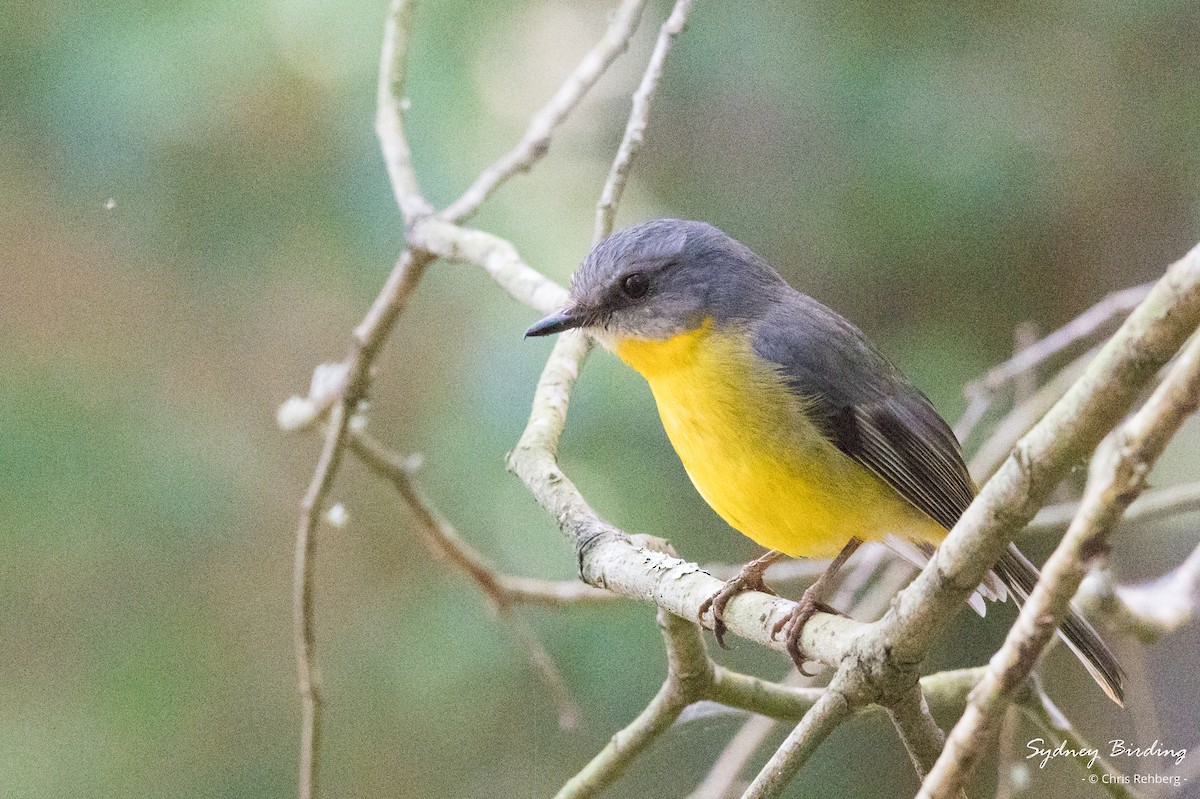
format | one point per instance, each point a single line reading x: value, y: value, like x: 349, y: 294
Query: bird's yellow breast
x: 753, y: 454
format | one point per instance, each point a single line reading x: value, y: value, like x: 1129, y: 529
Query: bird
x: 791, y: 424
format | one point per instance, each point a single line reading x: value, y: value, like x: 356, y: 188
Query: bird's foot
x: 792, y: 625
x: 749, y: 578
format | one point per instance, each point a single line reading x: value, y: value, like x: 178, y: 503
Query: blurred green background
x: 194, y: 214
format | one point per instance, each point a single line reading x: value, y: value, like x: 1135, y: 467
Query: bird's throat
x: 653, y: 358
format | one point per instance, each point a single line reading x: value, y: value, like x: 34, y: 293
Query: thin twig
x: 689, y: 674
x: 1011, y: 776
x: 1089, y: 324
x: 1023, y: 416
x: 1118, y: 473
x: 342, y: 396
x: 369, y: 337
x: 1083, y: 327
x: 639, y: 119
x: 349, y: 379
x: 503, y: 590
x: 1147, y: 610
x: 725, y: 775
x: 303, y: 621
x: 536, y: 141
x: 1151, y: 505
x: 444, y: 541
x: 822, y: 718
x: 546, y: 668
x: 920, y: 734
x: 498, y: 257
x: 389, y: 108
x: 1039, y: 709
x: 946, y: 692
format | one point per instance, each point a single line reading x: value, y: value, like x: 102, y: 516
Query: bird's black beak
x: 555, y: 323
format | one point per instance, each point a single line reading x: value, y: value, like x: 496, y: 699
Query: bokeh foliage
x: 195, y: 213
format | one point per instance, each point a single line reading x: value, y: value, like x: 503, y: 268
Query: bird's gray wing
x: 869, y: 411
x: 874, y: 415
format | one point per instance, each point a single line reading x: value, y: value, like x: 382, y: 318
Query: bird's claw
x: 793, y: 624
x: 748, y: 579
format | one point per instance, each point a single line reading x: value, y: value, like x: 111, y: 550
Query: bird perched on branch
x: 793, y: 427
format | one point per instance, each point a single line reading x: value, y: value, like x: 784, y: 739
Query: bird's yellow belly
x: 755, y: 457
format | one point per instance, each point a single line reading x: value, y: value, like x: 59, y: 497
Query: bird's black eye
x: 635, y: 286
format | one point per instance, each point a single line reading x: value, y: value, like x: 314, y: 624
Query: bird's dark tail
x: 1019, y: 576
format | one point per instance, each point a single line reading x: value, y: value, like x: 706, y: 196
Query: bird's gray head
x: 662, y: 278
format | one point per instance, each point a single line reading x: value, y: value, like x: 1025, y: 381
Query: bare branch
x: 536, y: 141
x: 947, y: 691
x: 725, y: 775
x: 376, y: 326
x: 822, y: 718
x: 389, y: 108
x: 1118, y: 474
x: 919, y: 733
x: 1152, y: 505
x: 349, y: 379
x: 639, y: 119
x: 302, y: 600
x: 1083, y: 327
x: 1024, y: 416
x: 495, y: 255
x: 444, y: 541
x: 503, y: 590
x: 343, y: 395
x: 689, y: 674
x: 1086, y: 326
x: 1148, y: 610
x: 524, y: 283
x: 1037, y: 706
x: 942, y: 687
x: 776, y: 700
x: 547, y: 670
x: 876, y: 663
